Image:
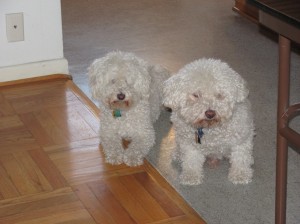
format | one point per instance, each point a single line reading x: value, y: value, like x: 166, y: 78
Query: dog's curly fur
x: 208, y: 95
x: 122, y: 82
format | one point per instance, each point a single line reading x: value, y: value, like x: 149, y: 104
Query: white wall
x: 41, y: 53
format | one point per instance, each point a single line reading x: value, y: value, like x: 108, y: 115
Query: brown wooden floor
x: 52, y: 169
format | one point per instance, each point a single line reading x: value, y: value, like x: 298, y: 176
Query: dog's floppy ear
x: 242, y: 89
x: 95, y: 79
x: 170, y: 92
x: 142, y: 82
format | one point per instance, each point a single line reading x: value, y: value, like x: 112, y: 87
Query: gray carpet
x: 176, y: 32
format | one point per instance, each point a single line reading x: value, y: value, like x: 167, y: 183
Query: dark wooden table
x: 283, y: 17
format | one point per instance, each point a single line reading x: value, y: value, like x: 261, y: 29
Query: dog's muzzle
x: 210, y: 114
x: 211, y: 119
x: 121, y: 96
x: 120, y: 101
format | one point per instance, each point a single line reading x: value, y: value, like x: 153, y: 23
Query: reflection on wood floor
x: 52, y: 169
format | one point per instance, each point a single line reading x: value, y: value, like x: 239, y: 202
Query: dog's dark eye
x: 220, y: 96
x: 196, y: 95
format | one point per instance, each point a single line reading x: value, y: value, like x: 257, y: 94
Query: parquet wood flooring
x: 52, y: 168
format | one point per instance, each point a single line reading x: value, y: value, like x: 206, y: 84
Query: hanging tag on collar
x: 116, y: 113
x: 198, y: 135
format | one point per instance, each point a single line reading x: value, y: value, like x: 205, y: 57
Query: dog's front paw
x: 115, y: 159
x: 133, y: 160
x: 240, y: 176
x: 191, y: 178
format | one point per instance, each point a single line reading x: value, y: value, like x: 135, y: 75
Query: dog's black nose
x: 210, y: 114
x: 121, y: 96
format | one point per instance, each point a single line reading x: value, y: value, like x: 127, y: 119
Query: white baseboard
x: 36, y: 69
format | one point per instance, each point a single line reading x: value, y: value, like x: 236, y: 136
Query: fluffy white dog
x: 129, y: 91
x: 212, y: 119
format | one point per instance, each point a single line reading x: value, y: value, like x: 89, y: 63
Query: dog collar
x: 117, y: 113
x: 198, y: 135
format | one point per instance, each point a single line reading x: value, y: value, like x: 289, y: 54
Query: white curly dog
x: 129, y: 91
x: 212, y: 119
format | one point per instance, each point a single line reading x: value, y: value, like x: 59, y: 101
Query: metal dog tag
x: 198, y: 135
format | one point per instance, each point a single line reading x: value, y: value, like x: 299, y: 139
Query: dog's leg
x: 176, y: 153
x: 241, y: 159
x: 138, y: 148
x: 192, y: 166
x: 113, y: 149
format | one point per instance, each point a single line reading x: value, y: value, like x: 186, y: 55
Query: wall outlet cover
x: 15, y: 27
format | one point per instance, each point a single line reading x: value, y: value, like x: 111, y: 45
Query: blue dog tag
x: 198, y: 135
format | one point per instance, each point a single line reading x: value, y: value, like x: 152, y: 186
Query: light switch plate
x: 15, y: 27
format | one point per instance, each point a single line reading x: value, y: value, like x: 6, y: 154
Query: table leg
x: 282, y: 145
